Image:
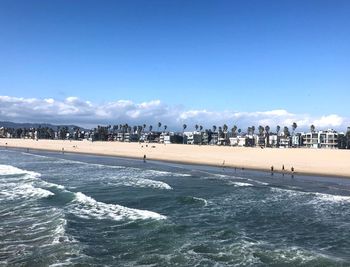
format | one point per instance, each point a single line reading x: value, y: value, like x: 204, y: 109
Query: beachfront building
x: 239, y: 141
x: 261, y: 140
x: 321, y: 139
x: 193, y: 138
x: 120, y: 137
x: 297, y: 140
x: 205, y: 138
x: 214, y: 137
x: 310, y: 140
x: 284, y: 141
x: 272, y: 140
x: 251, y: 140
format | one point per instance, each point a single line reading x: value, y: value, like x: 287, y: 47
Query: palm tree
x: 312, y: 128
x: 196, y: 127
x: 286, y: 131
x: 261, y: 130
x: 267, y: 131
x: 200, y: 128
x: 159, y: 125
x: 249, y: 130
x: 214, y: 128
x: 234, y: 129
x: 165, y: 127
x: 225, y: 128
x: 183, y: 133
x: 278, y: 129
x: 239, y: 131
x: 294, y: 126
x: 150, y: 128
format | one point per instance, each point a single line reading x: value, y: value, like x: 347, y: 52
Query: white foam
x: 239, y: 184
x: 319, y: 196
x: 141, y: 182
x: 11, y: 170
x: 332, y: 198
x: 87, y: 207
x: 48, y: 184
x: 202, y: 200
x: 23, y: 191
x: 35, y: 155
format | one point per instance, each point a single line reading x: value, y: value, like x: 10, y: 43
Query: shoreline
x: 312, y: 162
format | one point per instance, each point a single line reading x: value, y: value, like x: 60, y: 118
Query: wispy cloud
x: 86, y: 113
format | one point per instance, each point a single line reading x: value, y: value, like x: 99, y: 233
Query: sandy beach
x: 306, y: 161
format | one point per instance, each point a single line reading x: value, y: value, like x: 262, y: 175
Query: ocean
x: 83, y: 210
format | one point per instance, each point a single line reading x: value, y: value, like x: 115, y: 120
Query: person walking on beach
x: 144, y: 158
x: 272, y: 170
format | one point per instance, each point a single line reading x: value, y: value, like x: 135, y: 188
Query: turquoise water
x: 67, y: 209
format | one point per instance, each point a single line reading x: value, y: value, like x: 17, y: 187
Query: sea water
x: 69, y: 209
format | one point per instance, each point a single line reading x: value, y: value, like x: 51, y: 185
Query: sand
x: 328, y: 162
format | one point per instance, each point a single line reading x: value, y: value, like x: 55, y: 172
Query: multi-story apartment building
x: 321, y: 139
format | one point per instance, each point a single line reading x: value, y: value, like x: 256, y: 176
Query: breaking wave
x: 86, y: 207
x: 239, y: 184
x: 141, y: 182
x: 11, y: 170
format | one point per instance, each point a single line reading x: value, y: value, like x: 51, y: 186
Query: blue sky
x: 218, y: 56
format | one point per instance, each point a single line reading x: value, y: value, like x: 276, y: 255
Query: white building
x: 321, y: 139
x: 238, y: 141
x: 193, y: 138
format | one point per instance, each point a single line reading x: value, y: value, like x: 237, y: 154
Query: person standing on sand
x: 144, y: 158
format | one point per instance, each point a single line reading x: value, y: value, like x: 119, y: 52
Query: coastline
x: 322, y: 162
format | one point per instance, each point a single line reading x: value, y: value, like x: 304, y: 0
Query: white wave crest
x: 239, y: 184
x: 48, y: 184
x: 144, y: 183
x: 205, y: 202
x: 332, y: 198
x: 11, y: 170
x: 23, y: 191
x: 87, y: 207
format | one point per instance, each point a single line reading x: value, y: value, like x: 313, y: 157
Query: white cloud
x: 332, y: 120
x: 74, y: 110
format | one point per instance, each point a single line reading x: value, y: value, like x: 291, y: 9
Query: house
x: 272, y: 140
x: 297, y: 140
x: 321, y: 139
x: 284, y: 141
x: 214, y: 137
x: 193, y: 138
x: 237, y: 141
x: 310, y: 140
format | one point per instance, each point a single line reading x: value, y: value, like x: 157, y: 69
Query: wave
x: 11, y: 170
x: 144, y: 183
x: 193, y: 200
x: 316, y: 196
x: 35, y: 155
x: 48, y: 184
x: 86, y: 207
x: 239, y: 184
x: 20, y: 187
x: 23, y: 191
x: 332, y: 198
x: 204, y: 201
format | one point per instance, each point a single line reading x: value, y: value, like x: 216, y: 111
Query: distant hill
x: 15, y: 125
